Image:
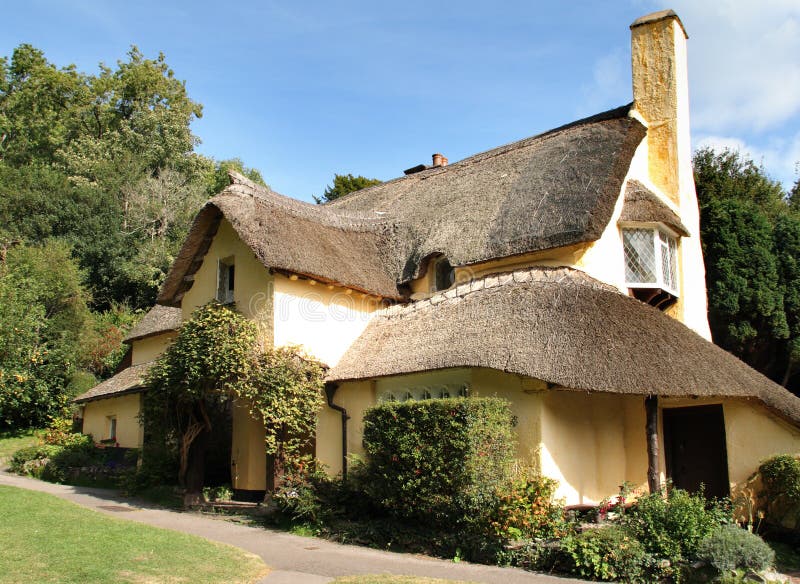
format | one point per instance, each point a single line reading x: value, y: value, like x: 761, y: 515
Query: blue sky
x: 303, y: 90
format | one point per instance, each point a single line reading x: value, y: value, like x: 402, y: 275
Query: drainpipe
x: 330, y: 391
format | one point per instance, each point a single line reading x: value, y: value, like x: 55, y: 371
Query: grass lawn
x: 12, y: 441
x: 387, y: 579
x: 45, y: 539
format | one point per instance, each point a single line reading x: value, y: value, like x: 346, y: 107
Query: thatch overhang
x: 560, y: 326
x: 159, y: 319
x: 290, y: 235
x: 555, y: 189
x: 127, y: 381
x: 641, y: 205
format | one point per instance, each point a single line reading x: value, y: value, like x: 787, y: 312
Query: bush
x: 607, y: 553
x: 526, y: 508
x: 729, y: 548
x: 781, y: 477
x: 671, y: 527
x: 300, y: 495
x: 440, y: 461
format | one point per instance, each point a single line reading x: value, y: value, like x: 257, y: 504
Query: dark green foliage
x: 607, y: 553
x: 730, y: 547
x: 781, y: 477
x: 438, y: 461
x: 344, y: 184
x: 750, y: 231
x: 672, y: 527
x: 305, y: 493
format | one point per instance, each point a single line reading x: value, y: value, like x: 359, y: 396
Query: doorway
x: 695, y: 451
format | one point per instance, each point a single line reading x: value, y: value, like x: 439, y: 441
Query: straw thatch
x: 159, y: 319
x: 560, y: 326
x: 127, y: 381
x: 552, y: 190
x: 290, y: 235
x: 555, y: 189
x: 641, y: 205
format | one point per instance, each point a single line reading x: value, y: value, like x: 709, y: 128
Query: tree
x: 750, y: 231
x: 344, y: 184
x: 44, y: 325
x: 217, y: 174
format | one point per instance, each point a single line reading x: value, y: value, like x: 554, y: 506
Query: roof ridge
x: 614, y: 113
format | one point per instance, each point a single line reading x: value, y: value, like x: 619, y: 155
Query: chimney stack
x: 661, y: 97
x: 439, y: 160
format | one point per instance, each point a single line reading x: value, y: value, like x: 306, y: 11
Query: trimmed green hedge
x: 438, y: 461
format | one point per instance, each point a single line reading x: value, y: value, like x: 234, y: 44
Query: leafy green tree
x: 217, y: 174
x: 750, y: 231
x: 44, y: 323
x: 344, y: 184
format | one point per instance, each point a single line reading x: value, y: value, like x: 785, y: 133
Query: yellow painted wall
x: 589, y: 442
x: 253, y: 282
x: 125, y: 408
x: 150, y: 348
x: 356, y: 398
x: 324, y: 320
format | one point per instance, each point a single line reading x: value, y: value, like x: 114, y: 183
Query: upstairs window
x: 651, y: 256
x: 226, y: 279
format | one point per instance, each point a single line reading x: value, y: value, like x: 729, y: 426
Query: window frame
x: 662, y: 235
x: 226, y: 280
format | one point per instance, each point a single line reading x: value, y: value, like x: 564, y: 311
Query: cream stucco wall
x: 324, y: 320
x: 150, y: 348
x: 125, y: 408
x: 253, y: 282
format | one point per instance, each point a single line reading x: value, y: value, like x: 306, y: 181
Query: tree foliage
x: 750, y: 230
x: 344, y: 184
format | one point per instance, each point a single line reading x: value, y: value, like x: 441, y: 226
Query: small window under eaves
x: 226, y: 280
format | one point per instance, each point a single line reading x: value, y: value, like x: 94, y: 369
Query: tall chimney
x: 661, y: 96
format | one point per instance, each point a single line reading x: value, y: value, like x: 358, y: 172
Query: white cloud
x: 779, y: 157
x: 609, y: 73
x: 744, y: 63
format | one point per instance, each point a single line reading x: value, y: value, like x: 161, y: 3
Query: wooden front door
x: 694, y: 449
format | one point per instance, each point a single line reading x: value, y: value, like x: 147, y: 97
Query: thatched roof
x: 291, y: 235
x: 560, y: 326
x: 555, y: 189
x: 159, y: 319
x: 644, y: 206
x: 128, y: 380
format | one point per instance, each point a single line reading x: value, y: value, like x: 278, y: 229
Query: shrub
x: 671, y: 527
x: 781, y: 477
x: 300, y: 495
x: 730, y: 547
x: 438, y: 461
x: 607, y: 553
x: 526, y: 508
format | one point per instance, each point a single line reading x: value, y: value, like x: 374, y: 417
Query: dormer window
x: 651, y: 268
x: 444, y: 274
x: 226, y: 272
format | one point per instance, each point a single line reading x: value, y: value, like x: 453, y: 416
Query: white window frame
x: 661, y: 236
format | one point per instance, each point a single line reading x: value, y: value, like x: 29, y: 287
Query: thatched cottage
x: 563, y: 272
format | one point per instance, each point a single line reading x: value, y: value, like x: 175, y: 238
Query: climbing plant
x: 215, y: 358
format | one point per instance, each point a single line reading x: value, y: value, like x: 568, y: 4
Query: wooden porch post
x: 653, y: 476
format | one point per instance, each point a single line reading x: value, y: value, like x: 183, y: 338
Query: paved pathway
x: 293, y: 559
